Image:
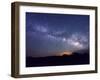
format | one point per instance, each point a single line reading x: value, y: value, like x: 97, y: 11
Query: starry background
x: 48, y: 34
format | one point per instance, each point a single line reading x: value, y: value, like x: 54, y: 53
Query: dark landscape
x: 74, y: 59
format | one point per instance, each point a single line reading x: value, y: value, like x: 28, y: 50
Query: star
x: 64, y: 39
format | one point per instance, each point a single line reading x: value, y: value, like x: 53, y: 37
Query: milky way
x: 47, y: 34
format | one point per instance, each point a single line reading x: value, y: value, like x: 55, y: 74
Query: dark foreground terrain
x: 74, y: 59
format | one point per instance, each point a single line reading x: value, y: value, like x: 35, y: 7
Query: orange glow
x: 67, y: 53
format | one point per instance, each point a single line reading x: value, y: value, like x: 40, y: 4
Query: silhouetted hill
x: 74, y: 59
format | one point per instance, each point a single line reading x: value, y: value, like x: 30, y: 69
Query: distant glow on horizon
x: 67, y: 53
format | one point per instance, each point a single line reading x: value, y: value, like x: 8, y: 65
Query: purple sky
x: 47, y: 34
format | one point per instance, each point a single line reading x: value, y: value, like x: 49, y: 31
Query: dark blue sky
x: 47, y: 34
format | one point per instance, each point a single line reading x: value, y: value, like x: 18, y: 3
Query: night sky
x: 49, y: 34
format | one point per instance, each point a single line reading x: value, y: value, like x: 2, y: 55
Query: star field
x: 47, y: 34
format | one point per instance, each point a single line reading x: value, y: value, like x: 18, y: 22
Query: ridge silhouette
x: 74, y: 59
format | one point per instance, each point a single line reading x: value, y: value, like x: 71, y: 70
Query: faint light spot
x: 64, y: 39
